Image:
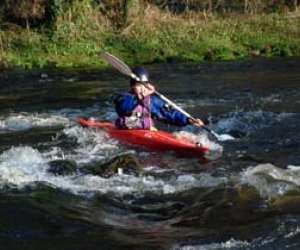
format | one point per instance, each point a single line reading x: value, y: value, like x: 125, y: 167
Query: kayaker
x: 138, y: 107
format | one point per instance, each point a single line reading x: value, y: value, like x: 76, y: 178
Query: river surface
x: 249, y: 198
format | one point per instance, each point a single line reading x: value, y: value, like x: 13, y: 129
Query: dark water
x: 247, y: 199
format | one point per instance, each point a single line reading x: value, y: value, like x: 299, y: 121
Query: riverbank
x: 81, y: 34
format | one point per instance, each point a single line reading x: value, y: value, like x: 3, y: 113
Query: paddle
x: 124, y: 69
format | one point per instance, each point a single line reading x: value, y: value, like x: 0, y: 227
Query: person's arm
x: 164, y: 112
x: 125, y: 103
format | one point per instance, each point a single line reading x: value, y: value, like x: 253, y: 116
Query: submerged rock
x: 62, y: 167
x: 226, y: 207
x: 128, y: 163
x: 289, y: 203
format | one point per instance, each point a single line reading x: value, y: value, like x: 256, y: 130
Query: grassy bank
x: 81, y: 33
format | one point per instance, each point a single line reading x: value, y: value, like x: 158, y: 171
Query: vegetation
x: 73, y: 34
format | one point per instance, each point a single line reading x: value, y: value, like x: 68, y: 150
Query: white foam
x: 24, y: 121
x: 92, y: 144
x: 230, y: 244
x: 248, y: 122
x: 270, y: 180
x: 223, y: 137
x: 63, y: 117
x: 21, y: 166
x: 215, y: 150
x: 273, y: 98
x: 184, y: 103
x: 294, y: 233
x: 2, y: 125
x: 105, y: 113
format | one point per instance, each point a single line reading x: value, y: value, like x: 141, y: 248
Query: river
x: 249, y: 198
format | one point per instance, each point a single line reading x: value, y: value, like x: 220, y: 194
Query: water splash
x: 202, y: 139
x: 21, y: 166
x: 230, y: 244
x: 105, y: 112
x: 184, y: 103
x: 270, y: 180
x: 62, y: 117
x: 245, y: 123
x: 93, y: 145
x: 273, y: 98
x: 223, y: 137
x: 25, y: 121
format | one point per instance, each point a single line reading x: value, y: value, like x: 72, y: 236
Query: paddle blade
x: 117, y: 64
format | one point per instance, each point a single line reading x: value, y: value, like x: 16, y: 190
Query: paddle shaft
x: 183, y: 111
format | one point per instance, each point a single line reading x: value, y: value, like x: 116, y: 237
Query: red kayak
x: 153, y: 140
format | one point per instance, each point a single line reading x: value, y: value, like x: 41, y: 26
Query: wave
x: 272, y: 181
x: 21, y: 166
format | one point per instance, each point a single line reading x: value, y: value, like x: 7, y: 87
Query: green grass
x: 81, y: 34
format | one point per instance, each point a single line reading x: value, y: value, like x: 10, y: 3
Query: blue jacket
x: 126, y: 102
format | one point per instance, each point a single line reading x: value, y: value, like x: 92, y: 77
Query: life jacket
x: 140, y: 117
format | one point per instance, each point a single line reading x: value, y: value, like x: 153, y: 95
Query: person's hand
x: 196, y: 122
x: 143, y: 90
